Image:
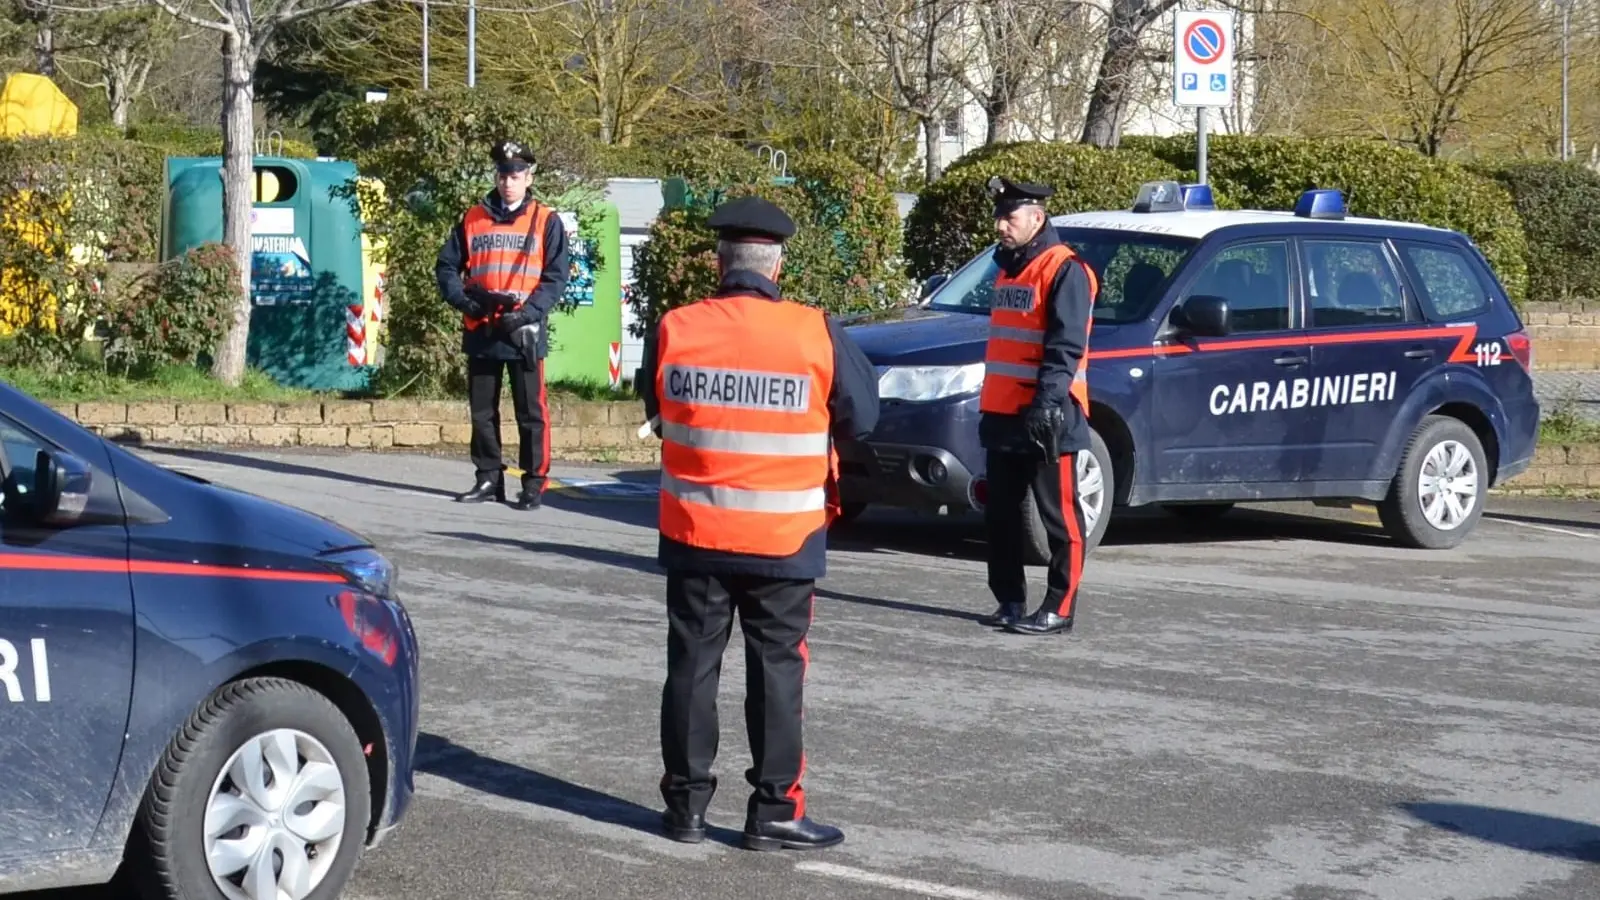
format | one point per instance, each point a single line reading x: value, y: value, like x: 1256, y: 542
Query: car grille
x: 892, y: 460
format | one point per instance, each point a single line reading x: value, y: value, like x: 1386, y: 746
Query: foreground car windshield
x: 1132, y: 267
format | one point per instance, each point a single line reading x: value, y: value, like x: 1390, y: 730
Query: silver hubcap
x: 1091, y: 489
x: 1448, y: 485
x: 275, y: 818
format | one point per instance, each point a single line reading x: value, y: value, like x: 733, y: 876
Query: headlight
x: 367, y: 568
x: 929, y: 382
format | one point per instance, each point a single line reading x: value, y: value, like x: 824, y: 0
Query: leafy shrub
x: 424, y: 160
x: 844, y: 257
x: 1560, y: 207
x: 1379, y: 180
x: 954, y: 217
x: 187, y: 140
x: 174, y: 314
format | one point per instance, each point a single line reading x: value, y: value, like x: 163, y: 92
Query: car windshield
x: 1132, y: 267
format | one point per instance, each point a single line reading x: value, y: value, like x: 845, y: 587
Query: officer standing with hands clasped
x: 512, y: 250
x: 1034, y: 406
x: 747, y: 392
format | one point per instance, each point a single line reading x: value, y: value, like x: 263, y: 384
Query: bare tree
x: 116, y: 51
x: 1015, y: 38
x: 1115, y: 82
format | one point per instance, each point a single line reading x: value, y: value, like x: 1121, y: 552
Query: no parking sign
x: 1202, y: 58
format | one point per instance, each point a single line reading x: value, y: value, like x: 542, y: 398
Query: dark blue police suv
x: 203, y: 694
x: 1235, y: 356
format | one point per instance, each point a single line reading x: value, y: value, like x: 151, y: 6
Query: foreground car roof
x: 1197, y: 223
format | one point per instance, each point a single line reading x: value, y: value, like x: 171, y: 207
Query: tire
x: 1437, y: 440
x: 168, y: 858
x: 1037, y: 552
x: 1198, y: 512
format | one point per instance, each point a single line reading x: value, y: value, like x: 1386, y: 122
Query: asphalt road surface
x: 1275, y: 705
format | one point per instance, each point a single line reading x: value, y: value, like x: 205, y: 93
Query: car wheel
x: 263, y: 795
x: 1438, y: 493
x: 1095, y: 480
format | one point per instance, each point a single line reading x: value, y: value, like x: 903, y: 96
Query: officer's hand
x: 474, y: 309
x: 1043, y: 424
x: 515, y: 319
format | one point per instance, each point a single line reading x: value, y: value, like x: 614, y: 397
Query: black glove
x: 1044, y: 428
x: 514, y: 319
x: 474, y: 309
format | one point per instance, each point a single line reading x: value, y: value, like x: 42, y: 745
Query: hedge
x: 1560, y: 207
x: 1379, y: 180
x: 844, y: 257
x: 954, y: 217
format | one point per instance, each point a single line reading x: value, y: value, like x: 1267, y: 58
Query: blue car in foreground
x: 202, y: 693
x: 1235, y: 356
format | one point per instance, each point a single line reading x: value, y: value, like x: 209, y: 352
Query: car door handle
x: 1291, y: 360
x: 1419, y: 353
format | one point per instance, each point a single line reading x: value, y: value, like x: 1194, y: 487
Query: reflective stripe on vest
x: 746, y: 456
x: 1017, y: 317
x: 495, y: 250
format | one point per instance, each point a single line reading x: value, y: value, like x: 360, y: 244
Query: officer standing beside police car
x: 1034, y: 407
x: 504, y: 267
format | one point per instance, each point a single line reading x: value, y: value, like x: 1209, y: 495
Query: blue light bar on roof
x: 1320, y: 203
x: 1158, y: 196
x: 1198, y: 196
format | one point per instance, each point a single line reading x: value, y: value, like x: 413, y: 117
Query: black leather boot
x: 1005, y: 615
x: 686, y: 828
x: 1044, y: 621
x: 529, y: 499
x: 796, y: 834
x: 483, y: 490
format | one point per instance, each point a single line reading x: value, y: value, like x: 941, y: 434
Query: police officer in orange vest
x: 512, y: 250
x: 748, y: 393
x: 1034, y: 406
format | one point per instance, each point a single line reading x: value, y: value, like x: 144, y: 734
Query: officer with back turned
x: 748, y: 393
x: 1034, y: 406
x: 512, y: 250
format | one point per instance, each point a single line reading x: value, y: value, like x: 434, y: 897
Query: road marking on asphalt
x: 922, y: 888
x: 1567, y: 531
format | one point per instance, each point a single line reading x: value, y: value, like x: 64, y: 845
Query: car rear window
x: 1449, y: 285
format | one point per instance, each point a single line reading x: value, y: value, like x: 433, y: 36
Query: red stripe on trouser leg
x: 544, y: 416
x: 796, y: 793
x: 1072, y: 517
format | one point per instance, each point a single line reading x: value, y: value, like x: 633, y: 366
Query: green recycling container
x: 586, y: 334
x: 306, y: 280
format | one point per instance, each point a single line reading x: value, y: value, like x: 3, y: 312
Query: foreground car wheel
x: 1095, y: 479
x: 262, y: 796
x: 1438, y: 493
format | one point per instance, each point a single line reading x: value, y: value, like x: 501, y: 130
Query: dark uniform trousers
x: 528, y: 399
x: 775, y: 615
x: 1055, y: 488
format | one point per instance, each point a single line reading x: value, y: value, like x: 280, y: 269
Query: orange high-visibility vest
x: 495, y: 250
x: 747, y: 463
x: 1017, y: 317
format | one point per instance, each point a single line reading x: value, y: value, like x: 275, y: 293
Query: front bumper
x: 904, y: 475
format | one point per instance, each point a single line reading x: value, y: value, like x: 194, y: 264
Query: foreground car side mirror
x: 60, y: 491
x: 1202, y: 315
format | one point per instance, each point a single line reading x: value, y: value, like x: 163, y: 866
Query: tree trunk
x: 238, y: 167
x: 930, y: 160
x: 1102, y: 126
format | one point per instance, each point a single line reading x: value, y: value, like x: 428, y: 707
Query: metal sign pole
x: 1200, y: 143
x: 424, y: 44
x: 472, y: 43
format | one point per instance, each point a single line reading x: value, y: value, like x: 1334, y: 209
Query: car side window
x: 19, y: 451
x: 1446, y: 281
x: 1254, y: 278
x: 1351, y: 283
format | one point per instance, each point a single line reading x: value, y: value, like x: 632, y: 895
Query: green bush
x: 954, y: 217
x: 1560, y: 207
x: 188, y: 140
x: 174, y: 314
x: 844, y: 257
x: 429, y: 151
x: 1378, y: 180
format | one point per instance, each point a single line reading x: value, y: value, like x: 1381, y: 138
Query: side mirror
x: 60, y: 488
x: 932, y: 284
x: 1202, y: 315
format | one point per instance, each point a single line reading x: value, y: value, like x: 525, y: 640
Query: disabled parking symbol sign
x: 1202, y: 58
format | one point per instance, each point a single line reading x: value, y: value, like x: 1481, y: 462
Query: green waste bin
x: 586, y: 337
x: 306, y: 280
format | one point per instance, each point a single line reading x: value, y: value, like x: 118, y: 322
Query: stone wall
x: 1566, y: 336
x: 580, y: 431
